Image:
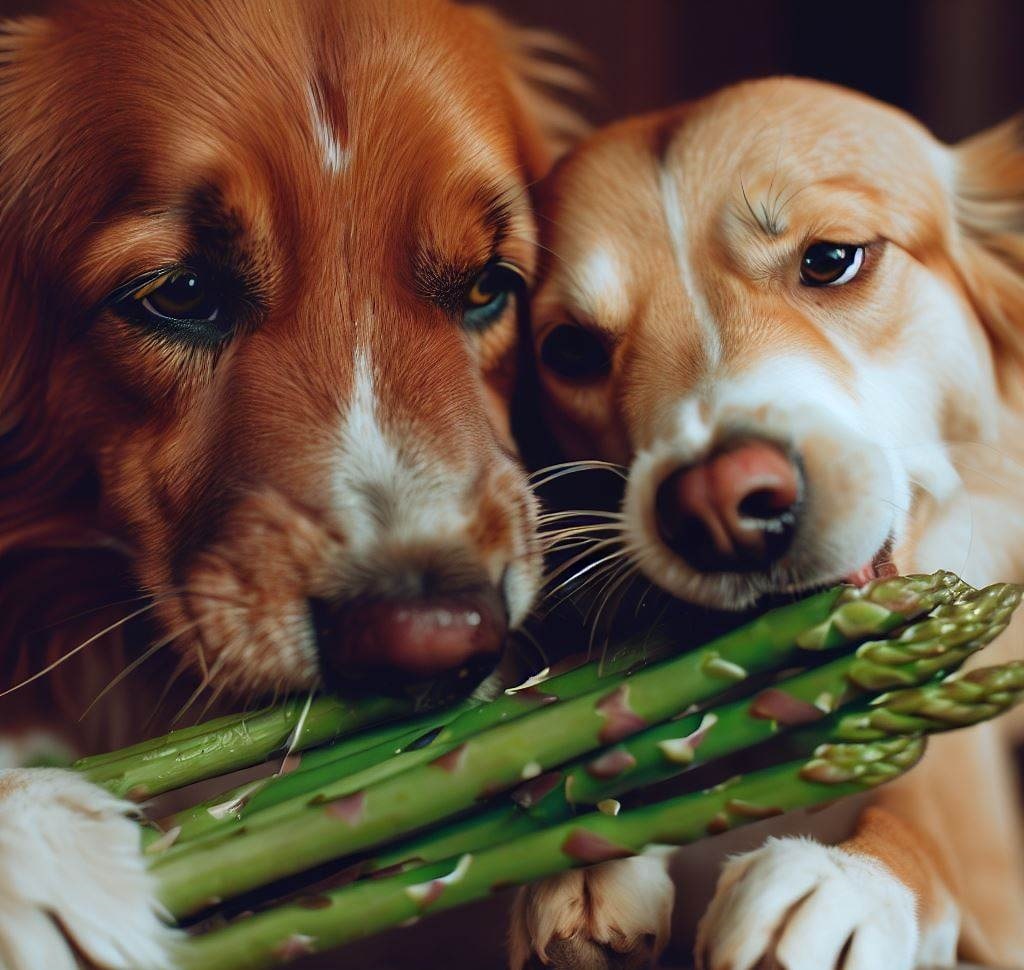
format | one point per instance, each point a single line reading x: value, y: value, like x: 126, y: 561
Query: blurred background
x: 955, y: 64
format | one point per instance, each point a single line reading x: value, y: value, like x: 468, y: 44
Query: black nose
x: 736, y: 511
x: 450, y: 641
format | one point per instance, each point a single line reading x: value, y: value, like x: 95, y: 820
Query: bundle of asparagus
x: 529, y: 784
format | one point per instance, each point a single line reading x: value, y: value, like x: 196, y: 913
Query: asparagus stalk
x: 239, y: 741
x: 352, y: 757
x: 370, y: 906
x: 336, y: 821
x: 394, y: 748
x: 367, y: 765
x: 835, y: 769
x: 209, y: 750
x: 669, y: 749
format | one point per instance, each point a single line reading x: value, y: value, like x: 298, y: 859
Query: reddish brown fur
x: 122, y: 125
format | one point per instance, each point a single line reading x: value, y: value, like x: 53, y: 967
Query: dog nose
x: 733, y: 512
x: 388, y: 644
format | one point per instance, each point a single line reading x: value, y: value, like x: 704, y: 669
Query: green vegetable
x: 337, y: 821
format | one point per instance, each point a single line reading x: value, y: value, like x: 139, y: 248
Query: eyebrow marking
x: 335, y: 158
x: 442, y: 275
x: 673, y: 211
x: 596, y: 285
x: 768, y: 220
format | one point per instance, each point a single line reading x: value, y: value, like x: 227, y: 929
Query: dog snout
x: 450, y: 641
x: 735, y: 511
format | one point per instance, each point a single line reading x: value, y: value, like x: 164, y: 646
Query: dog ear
x: 990, y: 228
x: 24, y: 345
x: 547, y: 81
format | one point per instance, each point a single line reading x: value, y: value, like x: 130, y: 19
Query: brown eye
x: 180, y: 295
x: 489, y: 294
x: 830, y: 264
x: 197, y: 306
x: 575, y: 353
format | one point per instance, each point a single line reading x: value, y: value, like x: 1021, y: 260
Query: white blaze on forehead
x: 597, y: 286
x: 673, y: 209
x: 334, y: 157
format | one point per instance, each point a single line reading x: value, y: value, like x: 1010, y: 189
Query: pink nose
x: 388, y: 643
x: 733, y: 512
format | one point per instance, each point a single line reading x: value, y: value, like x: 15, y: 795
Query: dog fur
x: 676, y: 242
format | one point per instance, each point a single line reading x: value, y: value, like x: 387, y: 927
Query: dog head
x: 779, y: 305
x: 259, y: 279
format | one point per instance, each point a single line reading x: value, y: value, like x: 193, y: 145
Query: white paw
x: 798, y: 905
x: 613, y: 916
x: 71, y: 868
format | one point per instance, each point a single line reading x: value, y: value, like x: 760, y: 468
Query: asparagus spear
x: 395, y: 748
x: 370, y: 906
x: 368, y: 764
x: 835, y: 769
x: 669, y: 749
x: 240, y: 741
x: 336, y: 822
x: 208, y: 750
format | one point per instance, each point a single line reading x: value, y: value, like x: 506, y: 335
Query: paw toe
x: 580, y: 952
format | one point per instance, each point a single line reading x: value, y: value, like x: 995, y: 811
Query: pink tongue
x: 870, y: 571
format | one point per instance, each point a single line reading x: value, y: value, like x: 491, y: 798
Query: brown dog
x: 256, y: 260
x: 799, y: 320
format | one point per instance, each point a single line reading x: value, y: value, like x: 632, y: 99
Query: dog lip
x: 411, y: 639
x: 880, y: 565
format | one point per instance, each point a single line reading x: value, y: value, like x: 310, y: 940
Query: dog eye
x: 182, y: 302
x: 830, y: 264
x: 490, y: 293
x: 179, y: 295
x: 575, y: 353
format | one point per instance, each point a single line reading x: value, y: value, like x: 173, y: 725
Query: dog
x: 259, y: 277
x: 799, y: 320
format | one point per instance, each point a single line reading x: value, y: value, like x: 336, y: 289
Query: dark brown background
x: 956, y: 64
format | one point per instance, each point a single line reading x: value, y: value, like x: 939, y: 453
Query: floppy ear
x: 990, y: 220
x: 16, y: 36
x: 29, y: 472
x: 546, y: 79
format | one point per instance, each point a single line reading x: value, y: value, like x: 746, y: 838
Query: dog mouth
x: 879, y: 566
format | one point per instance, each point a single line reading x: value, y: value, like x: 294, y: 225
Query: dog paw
x: 798, y: 905
x: 614, y: 916
x: 73, y: 882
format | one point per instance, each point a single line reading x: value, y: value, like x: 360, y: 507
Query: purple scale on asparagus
x: 719, y: 824
x: 590, y: 848
x: 620, y: 720
x: 295, y: 946
x: 528, y: 795
x: 349, y: 809
x: 452, y: 761
x: 776, y: 705
x: 736, y: 806
x: 612, y: 764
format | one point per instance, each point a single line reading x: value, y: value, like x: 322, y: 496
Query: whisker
x: 140, y: 660
x: 614, y: 584
x: 208, y: 676
x: 608, y: 565
x: 580, y: 513
x: 551, y: 472
x: 581, y: 557
x: 79, y: 648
